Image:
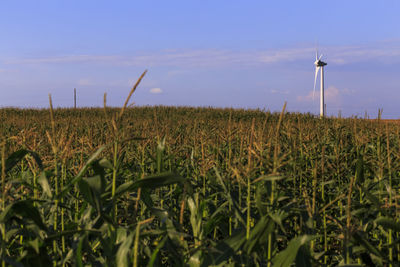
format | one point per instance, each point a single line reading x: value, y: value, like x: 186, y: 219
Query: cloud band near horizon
x: 384, y: 53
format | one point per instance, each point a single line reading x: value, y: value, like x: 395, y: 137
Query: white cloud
x: 155, y: 91
x: 307, y: 98
x: 332, y: 94
x: 85, y: 82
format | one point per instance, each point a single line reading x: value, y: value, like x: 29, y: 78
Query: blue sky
x: 247, y: 54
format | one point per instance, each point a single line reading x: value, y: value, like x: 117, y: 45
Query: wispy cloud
x: 174, y: 73
x: 156, y: 91
x: 181, y: 58
x: 354, y: 54
x: 332, y: 94
x: 284, y: 55
x: 274, y: 91
x: 64, y: 59
x: 388, y: 52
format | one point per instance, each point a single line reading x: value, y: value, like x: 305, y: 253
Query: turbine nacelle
x: 320, y: 63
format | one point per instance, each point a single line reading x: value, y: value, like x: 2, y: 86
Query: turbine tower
x: 319, y: 64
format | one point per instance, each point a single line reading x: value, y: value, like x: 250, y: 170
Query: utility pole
x: 74, y: 98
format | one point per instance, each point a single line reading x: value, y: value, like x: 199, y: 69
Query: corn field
x: 152, y: 186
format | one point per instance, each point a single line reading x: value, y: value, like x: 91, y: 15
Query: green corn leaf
x: 360, y: 170
x: 123, y: 251
x: 90, y: 190
x: 72, y: 232
x: 156, y: 251
x: 10, y: 233
x: 303, y: 257
x: 12, y: 262
x: 83, y: 170
x: 216, y: 218
x: 362, y: 241
x: 286, y: 257
x: 231, y: 199
x: 35, y: 244
x: 44, y: 183
x: 160, y: 155
x: 278, y: 218
x: 373, y: 199
x: 261, y: 198
x: 121, y: 235
x: 388, y: 223
x: 25, y: 210
x: 226, y: 249
x: 269, y: 178
x: 105, y: 163
x: 150, y: 182
x: 79, y: 255
x: 259, y: 234
x: 17, y: 156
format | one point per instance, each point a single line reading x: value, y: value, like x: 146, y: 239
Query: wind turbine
x: 319, y: 64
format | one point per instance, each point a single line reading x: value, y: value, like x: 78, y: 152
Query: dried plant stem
x: 115, y: 122
x: 136, y: 243
x: 114, y: 176
x: 130, y: 94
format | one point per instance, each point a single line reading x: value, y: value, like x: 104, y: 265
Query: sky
x: 219, y: 53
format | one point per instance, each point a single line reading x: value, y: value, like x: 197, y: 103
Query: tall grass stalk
x: 389, y: 163
x: 3, y: 200
x: 116, y: 126
x: 248, y: 199
x: 3, y: 175
x: 348, y: 221
x: 53, y: 141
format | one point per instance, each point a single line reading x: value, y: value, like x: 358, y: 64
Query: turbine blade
x: 320, y: 57
x: 315, y: 80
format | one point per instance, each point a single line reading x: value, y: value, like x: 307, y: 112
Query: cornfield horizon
x: 179, y: 186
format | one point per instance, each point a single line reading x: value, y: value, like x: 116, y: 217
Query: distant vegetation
x: 194, y: 186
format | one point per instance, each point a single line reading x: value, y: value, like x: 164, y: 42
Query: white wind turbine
x: 319, y: 64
